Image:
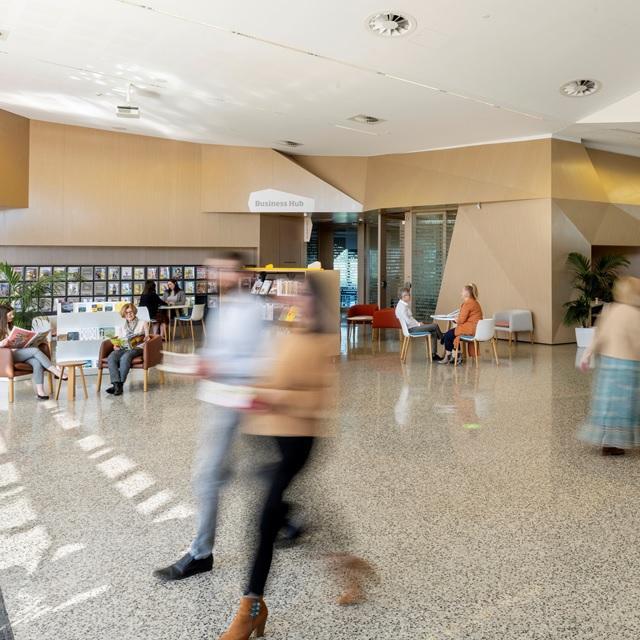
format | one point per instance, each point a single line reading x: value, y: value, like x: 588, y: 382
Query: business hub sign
x: 280, y: 202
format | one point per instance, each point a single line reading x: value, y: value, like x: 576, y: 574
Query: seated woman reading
x: 468, y: 318
x: 127, y: 346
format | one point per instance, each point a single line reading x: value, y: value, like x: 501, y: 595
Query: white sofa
x: 513, y: 322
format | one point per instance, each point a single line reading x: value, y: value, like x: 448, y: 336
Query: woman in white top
x: 123, y: 354
x: 173, y: 294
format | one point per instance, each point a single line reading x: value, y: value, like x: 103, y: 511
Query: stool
x: 71, y: 367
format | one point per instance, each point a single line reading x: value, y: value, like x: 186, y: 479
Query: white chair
x: 196, y: 315
x: 485, y: 332
x: 404, y: 349
x: 513, y: 322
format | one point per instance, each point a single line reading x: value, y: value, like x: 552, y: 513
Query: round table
x: 353, y: 321
x: 71, y: 366
x: 169, y: 307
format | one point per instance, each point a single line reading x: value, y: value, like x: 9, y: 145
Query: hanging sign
x: 279, y: 201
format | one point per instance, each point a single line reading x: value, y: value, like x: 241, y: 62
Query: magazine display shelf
x: 329, y: 281
x: 100, y: 324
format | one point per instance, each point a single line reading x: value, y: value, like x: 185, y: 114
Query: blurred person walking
x: 289, y: 408
x: 232, y: 357
x: 614, y: 420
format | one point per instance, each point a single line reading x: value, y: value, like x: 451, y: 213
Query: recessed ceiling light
x: 288, y: 143
x: 4, y: 34
x: 362, y: 118
x: 390, y: 24
x: 580, y: 88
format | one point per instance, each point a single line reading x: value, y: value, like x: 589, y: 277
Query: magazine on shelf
x: 266, y: 287
x: 257, y: 285
x: 23, y: 338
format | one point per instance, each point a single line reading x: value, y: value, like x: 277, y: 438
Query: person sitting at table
x: 128, y: 347
x: 152, y: 301
x: 32, y: 356
x: 173, y: 294
x: 403, y: 313
x: 469, y: 316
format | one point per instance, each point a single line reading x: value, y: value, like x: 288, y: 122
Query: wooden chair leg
x: 71, y: 383
x: 429, y: 346
x: 51, y: 387
x: 204, y: 329
x: 495, y: 350
x: 84, y: 382
x: 193, y: 338
x: 161, y: 373
x: 60, y: 382
x: 146, y: 380
x: 455, y: 356
x: 12, y: 391
x: 476, y: 348
x: 99, y: 384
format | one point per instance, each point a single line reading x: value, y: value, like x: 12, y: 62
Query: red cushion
x: 502, y: 323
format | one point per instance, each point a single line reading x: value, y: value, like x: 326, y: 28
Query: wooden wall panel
x: 100, y: 188
x: 346, y: 173
x: 505, y: 248
x: 230, y: 174
x: 565, y: 238
x: 619, y: 176
x: 573, y: 175
x: 14, y: 160
x: 513, y: 171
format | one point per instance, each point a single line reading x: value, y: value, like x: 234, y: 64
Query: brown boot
x: 251, y: 616
x: 355, y: 572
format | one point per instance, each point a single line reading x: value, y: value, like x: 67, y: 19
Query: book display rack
x: 112, y: 283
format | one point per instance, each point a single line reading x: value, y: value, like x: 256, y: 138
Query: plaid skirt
x: 614, y: 419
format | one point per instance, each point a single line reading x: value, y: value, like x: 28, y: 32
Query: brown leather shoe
x: 251, y: 616
x: 612, y: 451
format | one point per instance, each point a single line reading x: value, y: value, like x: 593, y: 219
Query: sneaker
x: 186, y: 567
x: 437, y: 358
x: 445, y: 360
x: 111, y: 390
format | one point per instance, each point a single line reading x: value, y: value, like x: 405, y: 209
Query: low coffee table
x: 353, y: 321
x: 71, y: 366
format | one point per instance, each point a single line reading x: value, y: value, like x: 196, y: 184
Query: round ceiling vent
x: 289, y: 143
x: 362, y: 118
x: 390, y: 24
x: 580, y: 88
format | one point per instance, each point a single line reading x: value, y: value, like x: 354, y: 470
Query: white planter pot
x: 584, y: 337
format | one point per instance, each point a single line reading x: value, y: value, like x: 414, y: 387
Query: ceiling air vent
x: 362, y: 118
x: 580, y: 88
x: 127, y: 111
x: 390, y: 24
x: 288, y: 143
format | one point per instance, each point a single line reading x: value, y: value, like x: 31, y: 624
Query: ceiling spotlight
x: 288, y: 143
x: 580, y: 88
x: 390, y: 24
x: 361, y: 118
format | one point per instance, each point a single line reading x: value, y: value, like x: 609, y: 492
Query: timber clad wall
x: 540, y: 200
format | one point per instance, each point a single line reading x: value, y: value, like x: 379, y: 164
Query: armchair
x: 151, y: 357
x: 12, y: 371
x: 385, y: 319
x: 513, y: 322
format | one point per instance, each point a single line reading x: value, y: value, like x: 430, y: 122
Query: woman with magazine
x: 32, y: 356
x: 126, y: 347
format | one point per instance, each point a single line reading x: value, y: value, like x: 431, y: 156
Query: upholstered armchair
x: 513, y: 322
x: 151, y: 357
x: 12, y: 371
x: 385, y: 319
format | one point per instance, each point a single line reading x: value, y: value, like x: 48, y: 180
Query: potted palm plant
x: 23, y: 296
x: 593, y: 281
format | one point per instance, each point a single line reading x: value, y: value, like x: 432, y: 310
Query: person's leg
x: 210, y: 474
x: 447, y: 340
x: 125, y: 362
x: 113, y: 362
x: 294, y: 453
x: 38, y: 361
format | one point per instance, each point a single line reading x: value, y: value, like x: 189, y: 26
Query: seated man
x: 403, y: 313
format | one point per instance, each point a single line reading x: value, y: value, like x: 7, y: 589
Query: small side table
x: 71, y: 367
x: 356, y: 320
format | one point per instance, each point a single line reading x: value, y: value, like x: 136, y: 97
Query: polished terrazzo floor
x: 485, y: 517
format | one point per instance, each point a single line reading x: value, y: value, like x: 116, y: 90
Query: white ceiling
x: 200, y: 81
